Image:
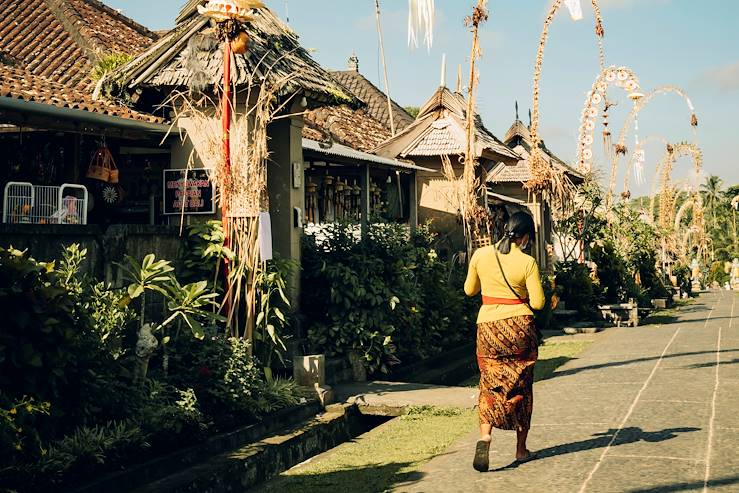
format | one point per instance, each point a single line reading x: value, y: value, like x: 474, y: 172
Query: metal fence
x: 25, y: 203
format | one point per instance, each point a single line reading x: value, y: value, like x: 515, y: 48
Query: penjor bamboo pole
x: 479, y: 15
x: 226, y: 127
x: 384, y: 68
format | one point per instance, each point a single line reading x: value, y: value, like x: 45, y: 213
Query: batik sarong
x: 506, y: 353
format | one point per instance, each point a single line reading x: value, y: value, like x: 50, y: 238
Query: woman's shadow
x: 624, y: 436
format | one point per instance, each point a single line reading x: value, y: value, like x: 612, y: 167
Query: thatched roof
x: 439, y: 130
x: 191, y: 56
x: 518, y: 138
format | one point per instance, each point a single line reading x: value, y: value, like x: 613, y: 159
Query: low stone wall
x: 104, y: 246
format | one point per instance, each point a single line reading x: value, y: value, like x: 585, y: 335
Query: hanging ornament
x: 223, y: 10
x: 421, y: 15
x: 575, y: 9
x: 240, y: 44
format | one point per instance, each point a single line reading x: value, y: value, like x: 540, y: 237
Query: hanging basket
x: 102, y: 166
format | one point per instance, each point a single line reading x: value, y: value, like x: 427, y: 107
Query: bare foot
x: 526, y: 456
x: 482, y: 456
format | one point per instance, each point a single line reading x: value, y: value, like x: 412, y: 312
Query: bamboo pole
x: 479, y: 15
x: 384, y: 68
x: 226, y: 127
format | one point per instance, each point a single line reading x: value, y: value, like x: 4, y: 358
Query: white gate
x: 26, y: 203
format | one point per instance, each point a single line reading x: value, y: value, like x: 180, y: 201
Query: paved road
x: 651, y: 409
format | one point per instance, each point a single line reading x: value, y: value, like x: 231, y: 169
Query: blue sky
x: 688, y: 43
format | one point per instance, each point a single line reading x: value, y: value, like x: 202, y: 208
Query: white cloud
x: 725, y: 78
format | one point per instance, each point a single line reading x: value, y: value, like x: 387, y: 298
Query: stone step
x: 245, y: 467
x: 395, y: 398
x: 141, y: 474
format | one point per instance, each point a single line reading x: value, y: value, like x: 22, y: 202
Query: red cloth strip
x: 487, y: 300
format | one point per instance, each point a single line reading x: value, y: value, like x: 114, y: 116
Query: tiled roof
x: 20, y: 84
x: 518, y: 138
x: 347, y: 126
x: 62, y: 40
x: 374, y: 98
x: 439, y: 130
x: 347, y: 152
x: 443, y: 138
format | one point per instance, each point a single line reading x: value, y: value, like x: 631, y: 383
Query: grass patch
x: 552, y: 355
x: 386, y: 456
x: 667, y: 315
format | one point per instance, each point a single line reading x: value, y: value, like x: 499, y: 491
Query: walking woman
x: 507, y: 342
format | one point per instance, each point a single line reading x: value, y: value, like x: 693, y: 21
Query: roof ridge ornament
x: 353, y: 62
x: 223, y: 10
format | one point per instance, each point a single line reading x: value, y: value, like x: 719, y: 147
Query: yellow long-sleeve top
x: 520, y: 270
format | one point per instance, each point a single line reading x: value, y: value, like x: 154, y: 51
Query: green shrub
x: 172, y: 417
x: 616, y: 283
x: 39, y: 332
x: 90, y: 449
x: 386, y: 296
x: 279, y: 393
x: 575, y: 287
x: 273, y: 310
x: 545, y: 317
x: 683, y: 275
x: 19, y: 437
x: 224, y: 377
x: 717, y: 273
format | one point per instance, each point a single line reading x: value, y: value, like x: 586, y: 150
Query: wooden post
x: 413, y: 202
x: 364, y: 198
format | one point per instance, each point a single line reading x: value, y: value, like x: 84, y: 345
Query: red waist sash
x: 488, y: 300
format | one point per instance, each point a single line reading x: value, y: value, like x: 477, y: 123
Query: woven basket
x: 102, y: 166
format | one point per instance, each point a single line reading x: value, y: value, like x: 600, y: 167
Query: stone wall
x: 104, y: 247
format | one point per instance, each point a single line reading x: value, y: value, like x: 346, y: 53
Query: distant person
x: 507, y: 340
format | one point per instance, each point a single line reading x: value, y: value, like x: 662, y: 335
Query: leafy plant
x: 108, y: 64
x: 172, y: 417
x: 101, y: 307
x: 91, y: 448
x: 203, y: 252
x: 576, y: 288
x: 186, y: 303
x: 18, y: 434
x: 273, y: 303
x: 279, y: 393
x: 386, y: 297
x: 40, y: 331
x: 222, y: 373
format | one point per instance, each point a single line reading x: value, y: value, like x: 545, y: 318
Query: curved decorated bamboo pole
x: 620, y: 146
x: 622, y: 77
x: 666, y: 167
x: 543, y: 179
x: 639, y: 154
x: 696, y: 229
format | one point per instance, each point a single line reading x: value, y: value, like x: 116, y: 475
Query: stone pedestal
x: 309, y: 371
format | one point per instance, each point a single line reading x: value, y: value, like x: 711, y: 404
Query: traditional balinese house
x: 190, y: 59
x: 506, y: 192
x: 51, y: 126
x: 339, y: 166
x: 438, y: 133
